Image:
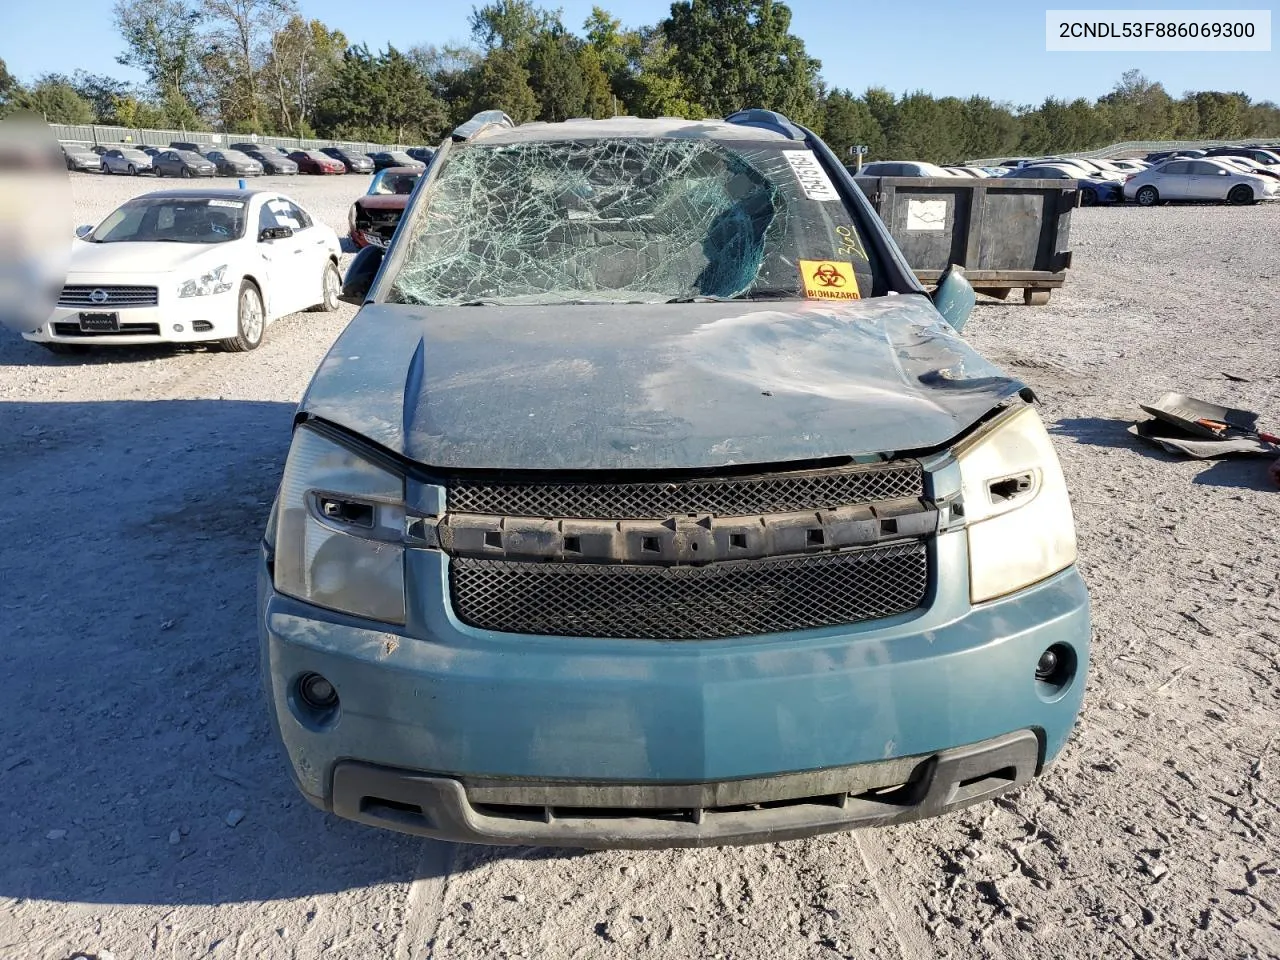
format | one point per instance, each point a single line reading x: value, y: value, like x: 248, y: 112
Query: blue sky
x: 958, y: 48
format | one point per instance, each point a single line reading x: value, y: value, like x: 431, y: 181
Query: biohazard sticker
x: 829, y: 280
x: 813, y: 179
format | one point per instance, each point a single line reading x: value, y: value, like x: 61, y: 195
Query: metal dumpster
x: 1004, y: 233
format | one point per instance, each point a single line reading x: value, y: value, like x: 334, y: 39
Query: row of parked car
x: 247, y: 159
x: 1234, y: 174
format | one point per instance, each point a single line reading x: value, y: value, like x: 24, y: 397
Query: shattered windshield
x: 632, y: 220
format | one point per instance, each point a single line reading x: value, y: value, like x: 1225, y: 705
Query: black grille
x: 82, y: 295
x: 735, y: 599
x: 126, y: 330
x: 723, y: 496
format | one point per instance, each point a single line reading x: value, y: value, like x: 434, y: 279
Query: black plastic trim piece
x: 604, y: 815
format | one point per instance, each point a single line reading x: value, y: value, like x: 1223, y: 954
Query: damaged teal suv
x: 649, y: 500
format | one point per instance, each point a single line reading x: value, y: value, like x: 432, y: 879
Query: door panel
x: 1174, y: 181
x: 1209, y: 182
x: 289, y: 257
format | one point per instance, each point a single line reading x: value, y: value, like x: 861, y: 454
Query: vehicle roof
x: 415, y: 170
x: 659, y: 128
x: 213, y: 193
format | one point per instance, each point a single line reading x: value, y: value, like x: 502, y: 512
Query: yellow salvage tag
x: 829, y: 280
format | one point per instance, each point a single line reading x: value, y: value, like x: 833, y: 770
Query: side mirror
x: 84, y: 230
x: 275, y: 233
x: 954, y: 297
x: 361, y: 274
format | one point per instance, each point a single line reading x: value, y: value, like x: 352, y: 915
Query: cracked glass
x: 623, y: 220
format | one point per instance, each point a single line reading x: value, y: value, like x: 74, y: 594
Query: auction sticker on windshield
x: 829, y: 280
x: 813, y: 179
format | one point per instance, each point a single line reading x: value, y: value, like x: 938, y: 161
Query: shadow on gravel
x: 1241, y: 473
x: 1101, y: 432
x: 24, y: 353
x: 132, y: 722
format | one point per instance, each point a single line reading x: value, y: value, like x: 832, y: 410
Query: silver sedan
x: 1198, y: 179
x: 132, y: 162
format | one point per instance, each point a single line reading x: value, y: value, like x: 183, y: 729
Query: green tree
x: 1220, y: 116
x: 606, y: 39
x: 555, y: 76
x: 54, y: 98
x: 300, y: 63
x: 8, y: 84
x: 599, y: 99
x: 384, y: 96
x: 237, y: 32
x: 502, y: 83
x: 659, y: 89
x: 847, y: 121
x: 988, y: 129
x: 102, y: 93
x: 740, y: 53
x: 454, y: 72
x: 510, y: 24
x: 162, y: 40
x: 1140, y: 109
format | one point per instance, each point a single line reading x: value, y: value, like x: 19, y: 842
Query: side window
x: 299, y: 215
x: 1180, y: 168
x: 267, y: 218
x: 278, y: 212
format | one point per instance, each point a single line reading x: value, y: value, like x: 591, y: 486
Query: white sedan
x: 188, y: 266
x: 1208, y: 178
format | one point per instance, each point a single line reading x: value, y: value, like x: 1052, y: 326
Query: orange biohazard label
x: 829, y: 280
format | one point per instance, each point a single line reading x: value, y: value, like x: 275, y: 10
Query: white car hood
x: 128, y: 258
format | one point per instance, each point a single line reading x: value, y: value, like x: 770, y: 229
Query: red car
x: 313, y: 161
x: 373, y: 217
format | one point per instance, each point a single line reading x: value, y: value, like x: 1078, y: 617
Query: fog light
x: 1055, y: 670
x: 317, y: 692
x: 177, y: 328
x: 1048, y: 665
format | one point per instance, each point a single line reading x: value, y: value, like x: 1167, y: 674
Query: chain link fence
x: 94, y: 134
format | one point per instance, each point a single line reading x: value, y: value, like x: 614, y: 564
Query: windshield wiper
x: 770, y: 293
x: 764, y: 294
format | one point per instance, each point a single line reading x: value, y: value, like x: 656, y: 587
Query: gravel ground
x: 145, y: 810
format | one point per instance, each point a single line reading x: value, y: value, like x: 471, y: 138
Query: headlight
x: 205, y: 285
x: 1015, y: 501
x: 340, y: 530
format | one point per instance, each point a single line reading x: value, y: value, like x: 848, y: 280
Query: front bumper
x: 148, y: 325
x: 429, y: 708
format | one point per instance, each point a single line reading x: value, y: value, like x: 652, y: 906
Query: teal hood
x: 653, y: 386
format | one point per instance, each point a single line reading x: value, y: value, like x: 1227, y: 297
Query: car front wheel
x: 186, y: 173
x: 1089, y: 197
x: 1147, y: 196
x: 330, y: 287
x: 1240, y: 194
x: 251, y: 320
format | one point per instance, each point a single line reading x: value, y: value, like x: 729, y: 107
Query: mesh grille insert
x: 689, y: 603
x: 728, y: 496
